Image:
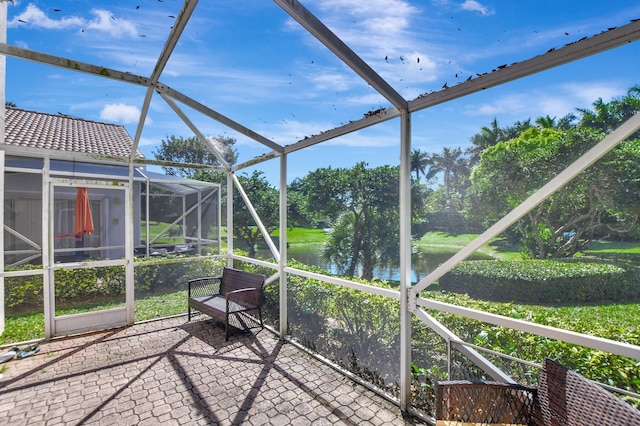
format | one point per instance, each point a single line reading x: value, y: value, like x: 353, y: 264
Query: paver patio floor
x: 176, y: 372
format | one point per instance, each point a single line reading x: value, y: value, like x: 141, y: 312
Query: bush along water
x: 541, y: 281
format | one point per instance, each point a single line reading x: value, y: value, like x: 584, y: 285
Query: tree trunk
x: 357, y: 244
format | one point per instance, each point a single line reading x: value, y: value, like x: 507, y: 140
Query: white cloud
x: 122, y: 113
x: 556, y: 101
x: 389, y: 35
x: 476, y: 6
x: 35, y: 17
x: 103, y: 21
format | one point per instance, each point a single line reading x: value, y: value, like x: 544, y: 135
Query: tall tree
x: 452, y: 164
x: 419, y: 162
x: 362, y: 204
x: 602, y: 199
x: 607, y: 116
x: 192, y: 151
x: 490, y: 136
x: 546, y: 122
x: 265, y: 200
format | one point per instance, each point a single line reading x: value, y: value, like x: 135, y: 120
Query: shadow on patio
x: 173, y: 372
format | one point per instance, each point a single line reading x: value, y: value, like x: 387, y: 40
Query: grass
x: 163, y: 303
x: 156, y: 227
x: 303, y: 236
x: 612, y: 247
x: 29, y: 325
x: 441, y: 242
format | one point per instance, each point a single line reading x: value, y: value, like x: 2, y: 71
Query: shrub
x: 540, y: 281
x: 23, y: 290
x: 108, y: 280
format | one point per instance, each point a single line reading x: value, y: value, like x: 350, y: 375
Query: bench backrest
x: 567, y: 398
x: 234, y: 279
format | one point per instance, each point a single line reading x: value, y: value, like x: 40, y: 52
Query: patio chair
x: 567, y: 398
x: 563, y: 398
x: 465, y: 402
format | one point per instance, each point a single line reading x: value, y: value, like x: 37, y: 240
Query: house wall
x: 23, y: 213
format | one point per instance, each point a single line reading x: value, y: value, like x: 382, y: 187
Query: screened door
x: 90, y: 269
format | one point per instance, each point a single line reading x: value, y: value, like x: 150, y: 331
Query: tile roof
x: 65, y: 133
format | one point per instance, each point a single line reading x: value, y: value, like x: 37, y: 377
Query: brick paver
x: 184, y: 373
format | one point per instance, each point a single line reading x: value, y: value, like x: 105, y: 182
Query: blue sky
x: 248, y: 60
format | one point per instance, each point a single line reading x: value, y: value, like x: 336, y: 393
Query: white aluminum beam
x: 229, y: 219
x: 405, y: 259
x: 553, y: 58
x: 256, y: 217
x: 574, y: 51
x: 582, y: 163
x: 320, y: 31
x: 72, y: 65
x: 205, y: 110
x: 212, y: 149
x: 174, y: 36
x: 7, y: 228
x: 256, y: 160
x: 380, y: 291
x: 48, y: 293
x: 470, y: 353
x: 368, y: 120
x: 606, y: 345
x: 283, y: 320
x: 3, y: 12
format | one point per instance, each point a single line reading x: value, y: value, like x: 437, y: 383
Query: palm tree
x: 547, y: 122
x: 419, y: 163
x: 451, y: 163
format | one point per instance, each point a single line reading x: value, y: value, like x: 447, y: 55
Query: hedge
x: 541, y: 281
x: 172, y: 272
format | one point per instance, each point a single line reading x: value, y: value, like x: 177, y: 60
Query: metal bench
x: 235, y: 293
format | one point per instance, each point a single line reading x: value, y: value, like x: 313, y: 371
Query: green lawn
x: 441, y: 242
x: 24, y: 326
x: 303, y: 235
x: 614, y: 247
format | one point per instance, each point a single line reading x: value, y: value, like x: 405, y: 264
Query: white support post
x: 184, y: 217
x: 2, y: 295
x: 129, y: 272
x: 199, y: 221
x: 284, y: 306
x: 405, y: 259
x: 147, y: 222
x: 47, y: 247
x: 219, y: 251
x: 3, y: 61
x: 229, y: 219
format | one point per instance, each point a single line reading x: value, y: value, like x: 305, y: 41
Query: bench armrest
x: 206, y: 286
x: 246, y: 297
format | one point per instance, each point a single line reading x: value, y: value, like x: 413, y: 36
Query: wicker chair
x: 563, y: 398
x: 567, y: 398
x: 485, y: 403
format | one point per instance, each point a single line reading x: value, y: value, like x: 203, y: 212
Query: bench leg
x: 226, y: 328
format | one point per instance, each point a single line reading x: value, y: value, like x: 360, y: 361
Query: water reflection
x: 422, y: 262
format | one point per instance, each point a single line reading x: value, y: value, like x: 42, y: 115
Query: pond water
x: 422, y: 262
